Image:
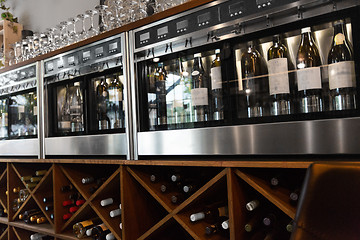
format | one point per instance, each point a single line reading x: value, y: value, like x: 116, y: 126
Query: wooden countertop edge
x: 194, y: 163
x: 142, y: 22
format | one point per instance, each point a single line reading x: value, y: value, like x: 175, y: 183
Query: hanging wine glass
x: 44, y: 43
x: 18, y: 57
x: 36, y: 44
x: 92, y: 31
x: 30, y: 47
x: 118, y: 9
x: 64, y: 35
x: 103, y: 26
x: 83, y: 33
x: 73, y: 36
x: 24, y: 50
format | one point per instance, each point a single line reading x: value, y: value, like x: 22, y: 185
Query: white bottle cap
x: 217, y: 51
x: 250, y: 206
x: 306, y: 30
x: 88, y: 232
x: 106, y: 202
x: 174, y: 178
x: 120, y: 205
x: 197, y: 55
x: 225, y: 224
x: 115, y: 213
x: 76, y: 84
x: 186, y: 189
x: 110, y: 236
x: 120, y: 225
x: 197, y: 216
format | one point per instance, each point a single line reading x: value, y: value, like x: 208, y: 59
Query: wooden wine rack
x: 147, y: 213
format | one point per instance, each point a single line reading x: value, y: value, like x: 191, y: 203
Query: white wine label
x: 64, y: 124
x: 115, y: 95
x: 239, y: 74
x: 342, y: 75
x: 199, y: 97
x: 35, y: 110
x: 278, y: 76
x: 339, y: 38
x: 216, y: 78
x: 309, y: 78
x: 21, y: 109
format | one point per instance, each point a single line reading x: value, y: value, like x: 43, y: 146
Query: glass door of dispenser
x: 256, y: 85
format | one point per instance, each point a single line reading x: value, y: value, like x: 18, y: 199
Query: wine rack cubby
x: 143, y: 207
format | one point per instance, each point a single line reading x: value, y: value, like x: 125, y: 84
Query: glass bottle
x: 160, y: 90
x: 116, y: 110
x: 102, y: 99
x: 185, y: 83
x: 64, y: 124
x: 342, y: 81
x: 254, y: 86
x: 80, y: 228
x: 199, y: 91
x: 216, y: 88
x: 279, y: 84
x: 76, y: 109
x: 308, y: 63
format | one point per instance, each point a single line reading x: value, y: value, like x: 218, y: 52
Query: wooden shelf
x: 279, y: 197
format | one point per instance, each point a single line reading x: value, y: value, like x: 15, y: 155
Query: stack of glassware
x: 112, y: 14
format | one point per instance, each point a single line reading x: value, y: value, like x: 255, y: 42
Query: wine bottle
x: 110, y: 236
x: 279, y: 83
x: 294, y: 196
x: 115, y: 213
x: 49, y: 207
x: 210, y: 214
x: 87, y: 180
x: 41, y: 172
x: 106, y: 202
x: 254, y: 222
x: 26, y: 178
x: 342, y: 81
x: 100, y: 231
x: 216, y: 88
x: 116, y: 113
x: 16, y: 189
x: 255, y: 88
x: 177, y: 198
x: 64, y: 123
x: 289, y: 226
x: 73, y: 209
x: 102, y: 99
x: 76, y: 108
x: 308, y: 63
x: 225, y: 224
x: 190, y: 188
x: 41, y: 220
x: 269, y: 220
x: 47, y: 199
x: 252, y: 205
x: 67, y: 203
x: 67, y: 188
x: 80, y: 202
x: 35, y: 179
x: 28, y: 214
x: 67, y: 216
x: 199, y: 91
x: 75, y: 196
x: 80, y: 228
x: 216, y: 228
x: 160, y: 86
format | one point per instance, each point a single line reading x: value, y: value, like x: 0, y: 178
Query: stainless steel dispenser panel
x: 19, y: 147
x: 334, y: 136
x: 107, y: 144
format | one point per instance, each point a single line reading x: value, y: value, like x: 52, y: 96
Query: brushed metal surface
x: 20, y: 147
x: 107, y: 144
x: 335, y: 136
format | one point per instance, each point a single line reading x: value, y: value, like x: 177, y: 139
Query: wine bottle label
x: 87, y: 223
x: 64, y: 124
x: 199, y: 97
x: 342, y: 75
x: 309, y: 78
x: 278, y: 76
x: 339, y: 38
x: 103, y: 227
x: 35, y: 110
x: 21, y: 109
x: 115, y: 95
x: 216, y: 78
